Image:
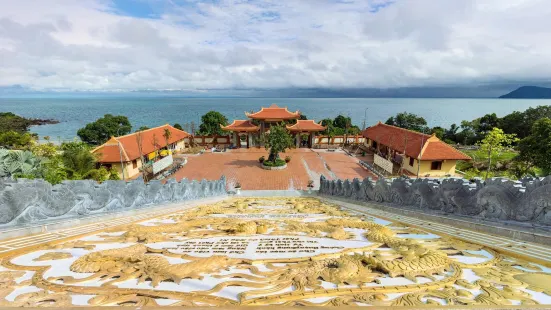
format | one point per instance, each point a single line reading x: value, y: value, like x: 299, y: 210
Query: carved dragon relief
x: 498, y: 199
x: 142, y: 264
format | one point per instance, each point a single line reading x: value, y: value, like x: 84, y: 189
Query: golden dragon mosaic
x: 264, y: 251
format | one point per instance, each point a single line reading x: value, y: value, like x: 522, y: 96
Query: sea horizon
x: 151, y: 110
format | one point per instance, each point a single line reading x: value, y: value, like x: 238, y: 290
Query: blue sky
x: 193, y: 45
x: 136, y: 8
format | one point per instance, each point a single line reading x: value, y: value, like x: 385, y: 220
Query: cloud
x: 225, y: 44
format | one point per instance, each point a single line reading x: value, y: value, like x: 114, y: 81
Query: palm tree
x: 167, y: 134
x: 79, y: 163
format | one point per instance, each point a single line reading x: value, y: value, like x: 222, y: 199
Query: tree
x: 178, y: 126
x: 167, y: 134
x: 12, y: 122
x: 74, y: 145
x: 328, y: 124
x: 494, y: 143
x: 486, y: 124
x: 450, y: 134
x: 439, y: 132
x: 45, y: 150
x: 536, y: 148
x: 142, y: 128
x: 15, y: 140
x: 277, y: 141
x: 342, y: 121
x: 103, y: 129
x: 139, y: 142
x: 408, y: 121
x: 78, y: 163
x: 521, y: 123
x: 467, y: 135
x: 53, y: 170
x: 210, y: 124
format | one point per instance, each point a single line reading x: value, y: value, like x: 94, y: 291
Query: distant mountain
x: 529, y: 92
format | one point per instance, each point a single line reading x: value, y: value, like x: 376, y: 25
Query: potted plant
x: 261, y: 159
x: 287, y: 159
x: 237, y: 188
x: 310, y: 186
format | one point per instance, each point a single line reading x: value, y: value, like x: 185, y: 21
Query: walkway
x: 242, y: 166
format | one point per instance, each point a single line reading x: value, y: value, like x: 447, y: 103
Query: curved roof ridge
x: 404, y: 129
x: 274, y: 108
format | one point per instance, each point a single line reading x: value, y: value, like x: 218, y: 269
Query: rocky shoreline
x: 38, y: 121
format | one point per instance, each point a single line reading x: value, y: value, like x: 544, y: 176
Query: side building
x: 149, y: 149
x: 412, y: 153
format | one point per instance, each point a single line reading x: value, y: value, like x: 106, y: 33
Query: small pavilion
x: 247, y: 133
x: 244, y: 133
x: 305, y: 127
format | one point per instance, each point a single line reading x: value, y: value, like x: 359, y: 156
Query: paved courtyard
x: 242, y: 166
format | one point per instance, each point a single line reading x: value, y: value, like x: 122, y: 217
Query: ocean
x: 74, y: 113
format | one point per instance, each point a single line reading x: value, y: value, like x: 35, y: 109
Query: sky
x: 192, y: 45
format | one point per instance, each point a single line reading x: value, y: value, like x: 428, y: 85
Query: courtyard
x: 241, y: 165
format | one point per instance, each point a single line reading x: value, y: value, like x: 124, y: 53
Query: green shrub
x: 277, y: 163
x: 287, y: 159
x: 261, y: 159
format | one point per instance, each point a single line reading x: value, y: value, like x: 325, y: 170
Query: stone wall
x: 498, y: 199
x: 24, y: 202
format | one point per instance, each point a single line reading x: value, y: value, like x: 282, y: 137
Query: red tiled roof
x: 109, y: 152
x: 412, y: 143
x: 274, y: 112
x: 241, y: 125
x: 435, y: 149
x: 306, y: 125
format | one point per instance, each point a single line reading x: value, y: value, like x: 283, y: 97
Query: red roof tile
x: 109, y: 152
x: 435, y: 149
x: 274, y: 112
x: 241, y: 125
x: 306, y: 125
x: 412, y: 143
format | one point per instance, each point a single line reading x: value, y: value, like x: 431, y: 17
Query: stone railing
x: 498, y: 199
x: 24, y: 202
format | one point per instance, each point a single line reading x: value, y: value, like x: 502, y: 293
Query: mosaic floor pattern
x: 265, y: 251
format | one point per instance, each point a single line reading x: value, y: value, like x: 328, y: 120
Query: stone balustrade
x: 24, y: 202
x: 498, y: 199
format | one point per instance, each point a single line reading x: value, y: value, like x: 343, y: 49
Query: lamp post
x: 365, y: 118
x: 420, y: 151
x: 120, y: 153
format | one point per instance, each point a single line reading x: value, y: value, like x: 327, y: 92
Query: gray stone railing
x: 497, y: 199
x: 24, y: 202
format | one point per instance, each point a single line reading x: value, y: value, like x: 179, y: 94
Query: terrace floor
x: 242, y: 166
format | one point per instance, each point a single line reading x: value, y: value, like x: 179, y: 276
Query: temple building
x: 248, y: 133
x: 412, y: 153
x: 305, y: 129
x: 147, y: 149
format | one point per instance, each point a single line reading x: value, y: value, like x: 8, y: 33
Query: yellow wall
x: 129, y: 170
x: 180, y: 145
x: 448, y: 167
